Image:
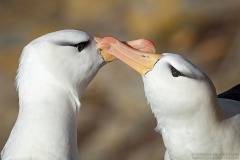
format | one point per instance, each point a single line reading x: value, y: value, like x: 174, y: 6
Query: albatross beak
x: 138, y: 54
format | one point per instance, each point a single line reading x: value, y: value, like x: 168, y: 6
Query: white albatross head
x: 67, y: 57
x: 177, y: 88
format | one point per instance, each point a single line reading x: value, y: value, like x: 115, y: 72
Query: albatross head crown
x: 177, y: 88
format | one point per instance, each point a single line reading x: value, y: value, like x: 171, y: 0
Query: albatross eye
x: 175, y: 73
x: 81, y: 46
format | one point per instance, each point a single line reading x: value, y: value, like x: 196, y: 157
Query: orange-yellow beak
x: 138, y: 54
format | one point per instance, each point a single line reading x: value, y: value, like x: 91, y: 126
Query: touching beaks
x: 106, y: 57
x: 138, y: 54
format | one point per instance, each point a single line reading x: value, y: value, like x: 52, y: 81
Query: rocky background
x: 115, y: 122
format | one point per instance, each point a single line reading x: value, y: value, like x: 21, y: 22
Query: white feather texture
x: 51, y: 78
x: 190, y: 117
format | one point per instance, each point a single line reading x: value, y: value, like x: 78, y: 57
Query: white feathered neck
x: 46, y: 124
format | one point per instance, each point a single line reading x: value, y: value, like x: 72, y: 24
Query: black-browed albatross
x: 53, y: 73
x: 194, y: 123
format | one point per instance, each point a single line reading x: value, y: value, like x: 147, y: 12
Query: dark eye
x: 175, y: 73
x: 81, y: 46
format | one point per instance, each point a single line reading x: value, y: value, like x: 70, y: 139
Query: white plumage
x: 54, y: 71
x: 191, y: 119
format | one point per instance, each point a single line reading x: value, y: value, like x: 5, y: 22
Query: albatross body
x: 53, y: 73
x: 192, y: 120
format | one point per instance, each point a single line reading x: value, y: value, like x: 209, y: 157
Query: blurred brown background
x: 115, y: 122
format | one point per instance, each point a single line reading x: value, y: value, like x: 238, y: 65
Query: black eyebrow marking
x: 85, y: 43
x: 67, y: 43
x: 182, y: 74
